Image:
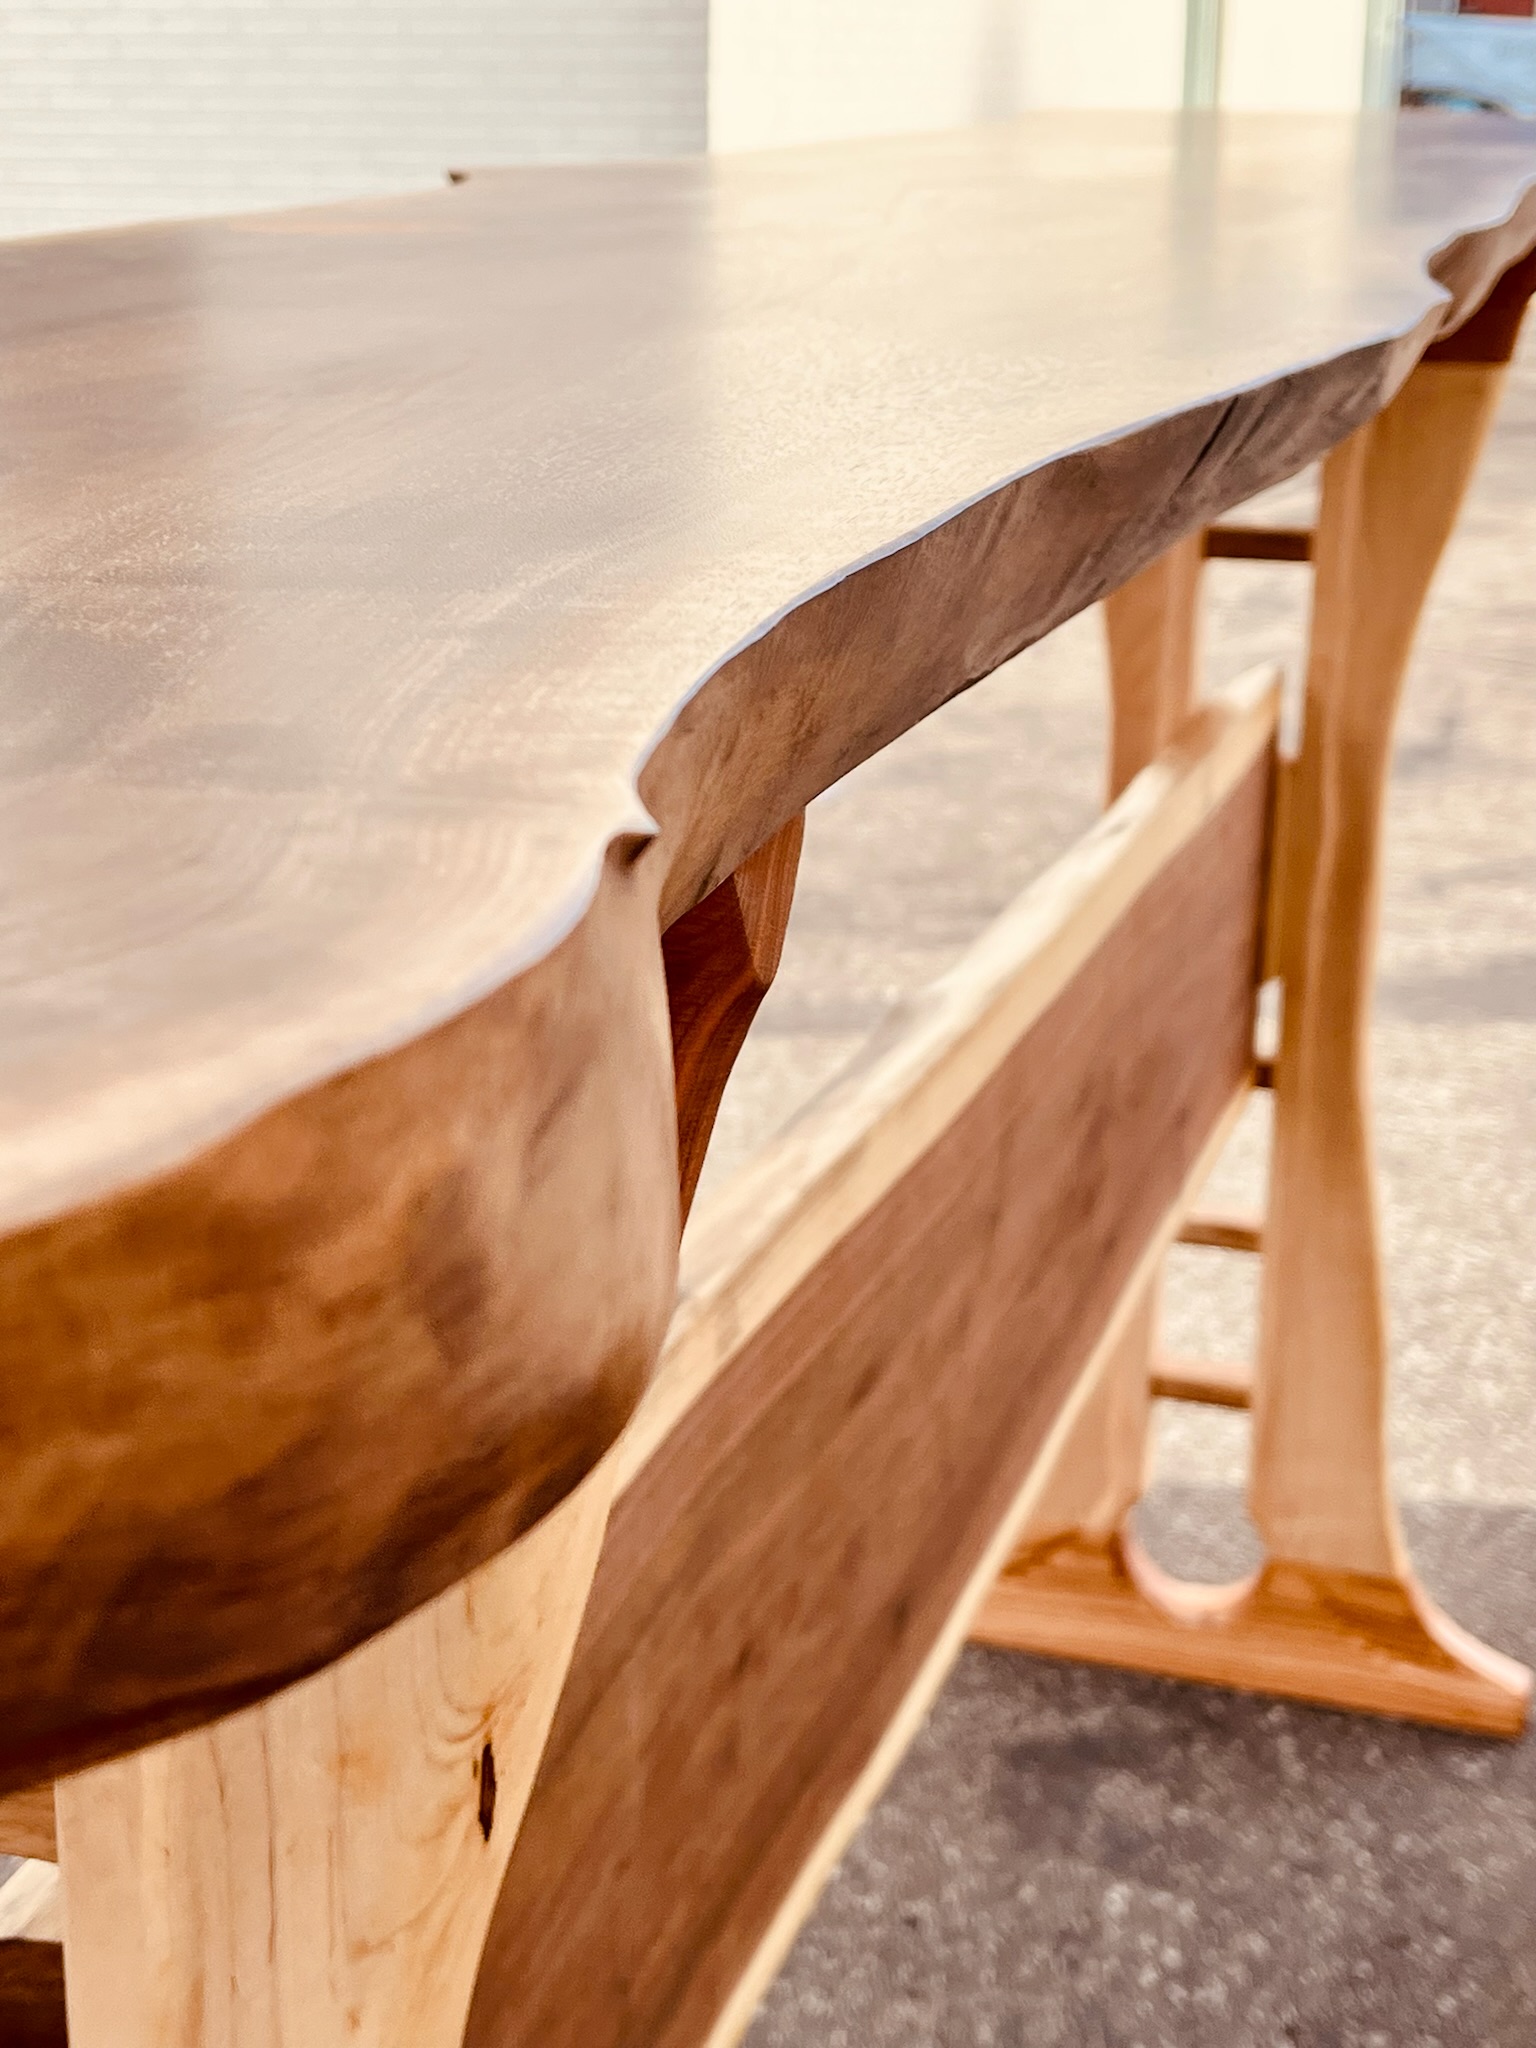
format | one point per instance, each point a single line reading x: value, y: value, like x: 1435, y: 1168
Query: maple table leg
x: 1338, y: 1586
x: 320, y: 1870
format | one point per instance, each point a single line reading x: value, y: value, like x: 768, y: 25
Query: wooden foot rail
x: 1223, y: 1233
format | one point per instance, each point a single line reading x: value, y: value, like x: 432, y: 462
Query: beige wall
x: 802, y: 70
x: 1293, y: 53
x: 807, y: 70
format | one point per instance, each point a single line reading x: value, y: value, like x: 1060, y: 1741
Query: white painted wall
x: 117, y: 110
x: 808, y: 70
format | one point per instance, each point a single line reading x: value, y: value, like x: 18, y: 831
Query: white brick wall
x: 114, y: 110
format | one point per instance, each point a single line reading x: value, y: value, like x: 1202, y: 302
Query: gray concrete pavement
x: 1080, y: 1859
x: 1073, y: 1857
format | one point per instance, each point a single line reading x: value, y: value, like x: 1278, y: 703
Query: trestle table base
x: 1335, y: 1616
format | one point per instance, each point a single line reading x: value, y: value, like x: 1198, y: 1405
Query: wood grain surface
x: 780, y: 1565
x: 412, y: 605
x: 318, y: 1870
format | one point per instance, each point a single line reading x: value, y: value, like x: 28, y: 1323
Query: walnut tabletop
x: 412, y: 606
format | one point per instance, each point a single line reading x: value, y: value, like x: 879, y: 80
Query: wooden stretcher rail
x: 1221, y: 1232
x: 885, y: 1320
x: 31, y: 1926
x: 1208, y: 1382
x: 31, y: 1958
x: 1258, y: 544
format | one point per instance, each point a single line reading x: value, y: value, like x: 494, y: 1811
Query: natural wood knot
x: 487, y: 1776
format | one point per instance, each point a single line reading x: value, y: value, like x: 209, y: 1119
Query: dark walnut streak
x: 720, y: 959
x: 359, y: 566
x: 32, y: 1995
x: 775, y: 1575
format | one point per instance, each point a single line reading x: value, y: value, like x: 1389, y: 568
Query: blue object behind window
x: 1471, y: 60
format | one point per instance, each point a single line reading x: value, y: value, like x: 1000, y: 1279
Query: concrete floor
x: 1076, y: 1857
x: 1081, y: 1859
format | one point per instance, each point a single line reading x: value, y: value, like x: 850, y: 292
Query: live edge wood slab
x: 414, y: 610
x: 411, y: 607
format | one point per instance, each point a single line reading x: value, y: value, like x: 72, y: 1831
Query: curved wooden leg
x: 1335, y: 1615
x: 1358, y: 1628
x: 320, y: 1870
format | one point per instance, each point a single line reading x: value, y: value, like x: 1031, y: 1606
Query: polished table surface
x: 410, y: 606
x: 357, y: 560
